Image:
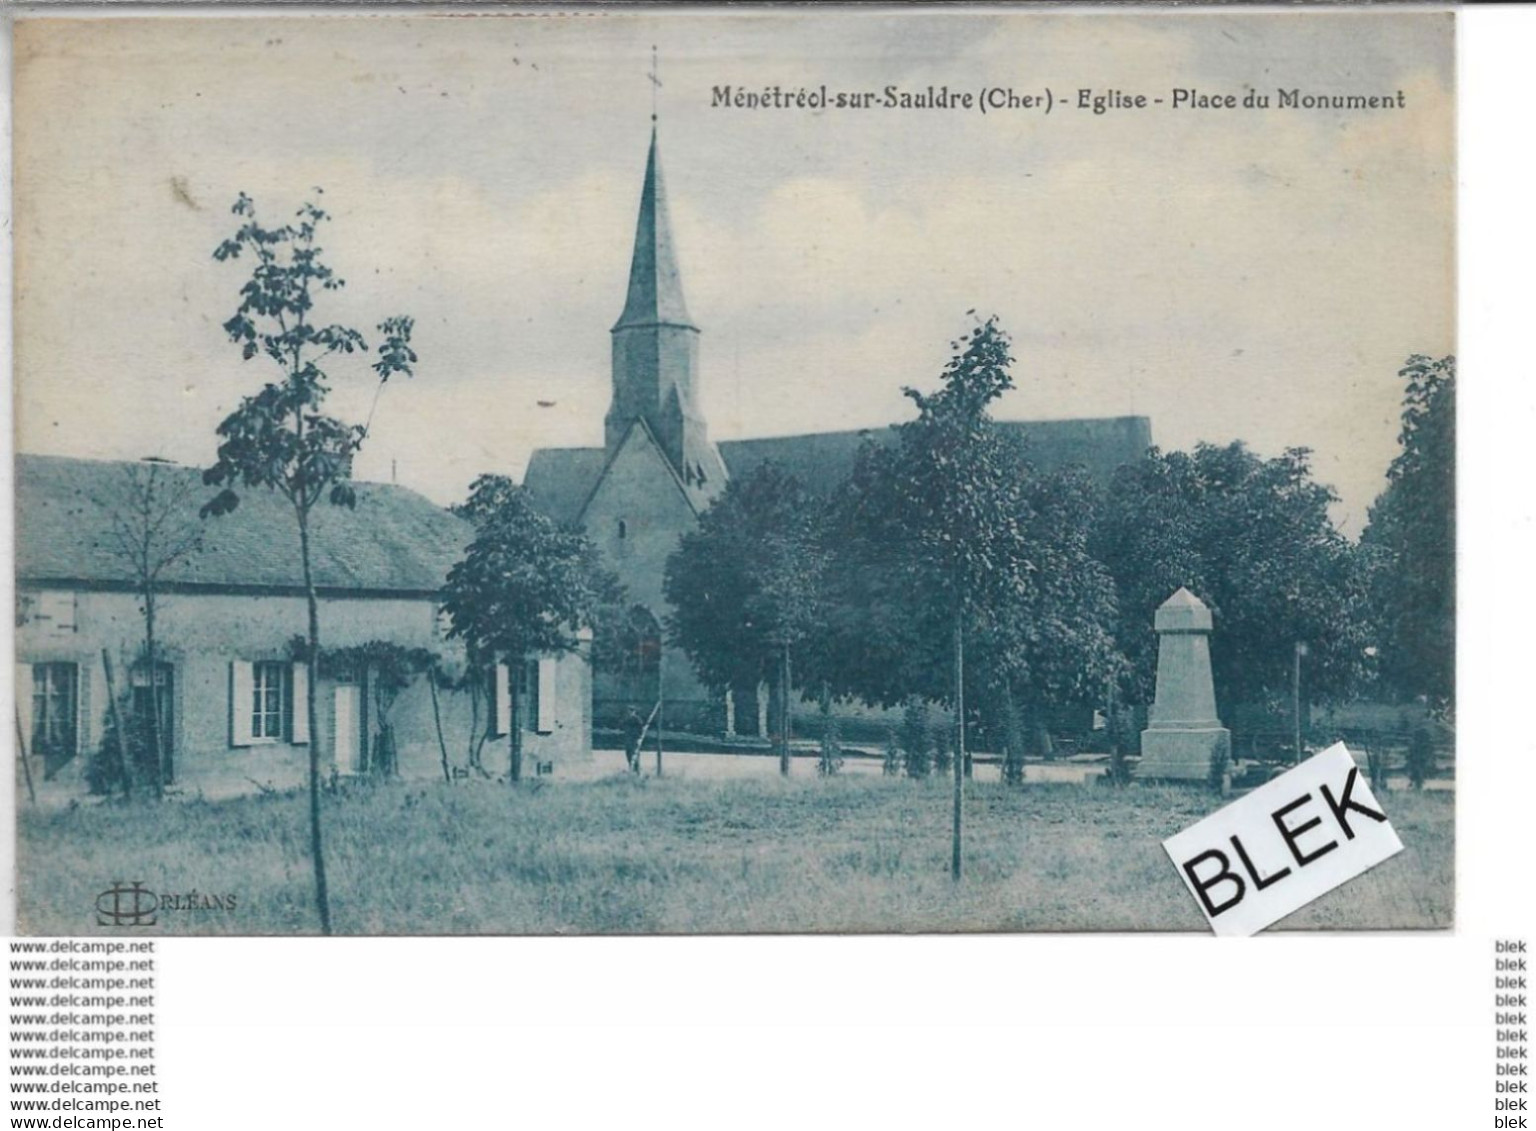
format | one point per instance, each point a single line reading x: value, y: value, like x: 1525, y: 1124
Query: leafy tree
x: 525, y: 585
x: 1251, y: 537
x: 1411, y: 539
x: 746, y: 585
x: 936, y: 525
x: 1054, y: 645
x: 152, y: 531
x: 280, y: 439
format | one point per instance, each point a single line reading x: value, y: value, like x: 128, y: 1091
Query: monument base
x: 1182, y: 755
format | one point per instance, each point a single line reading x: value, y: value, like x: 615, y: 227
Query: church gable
x: 635, y: 515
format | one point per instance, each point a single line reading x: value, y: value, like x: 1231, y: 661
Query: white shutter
x: 298, y: 729
x: 241, y: 688
x: 501, y: 701
x: 546, y: 708
x: 24, y: 702
x: 58, y: 609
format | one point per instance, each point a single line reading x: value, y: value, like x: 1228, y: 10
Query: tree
x: 280, y: 439
x: 1251, y: 537
x: 525, y: 585
x: 1411, y: 539
x: 936, y: 522
x: 1054, y: 645
x: 152, y: 531
x: 745, y: 586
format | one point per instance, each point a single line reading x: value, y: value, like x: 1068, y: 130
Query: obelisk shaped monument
x: 1183, y: 737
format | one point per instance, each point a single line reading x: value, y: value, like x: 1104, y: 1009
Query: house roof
x: 561, y: 479
x: 394, y: 541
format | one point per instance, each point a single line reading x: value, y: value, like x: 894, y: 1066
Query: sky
x: 1231, y: 274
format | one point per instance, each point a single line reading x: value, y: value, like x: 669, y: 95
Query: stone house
x: 227, y: 684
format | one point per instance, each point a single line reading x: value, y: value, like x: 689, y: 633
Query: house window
x: 54, y: 712
x: 267, y: 700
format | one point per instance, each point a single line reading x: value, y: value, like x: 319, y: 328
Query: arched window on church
x: 623, y: 529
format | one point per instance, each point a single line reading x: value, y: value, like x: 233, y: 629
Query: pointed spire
x: 655, y: 287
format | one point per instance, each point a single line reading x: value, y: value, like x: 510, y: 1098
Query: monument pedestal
x: 1183, y: 755
x: 1184, y: 738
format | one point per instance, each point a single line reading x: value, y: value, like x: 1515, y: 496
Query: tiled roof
x: 395, y: 540
x: 560, y: 479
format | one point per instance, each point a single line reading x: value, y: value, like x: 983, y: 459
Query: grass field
x: 640, y: 856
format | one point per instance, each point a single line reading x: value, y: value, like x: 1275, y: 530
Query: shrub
x: 104, y: 764
x: 915, y: 739
x: 1221, y: 763
x: 1421, y: 757
x: 943, y: 748
x: 1013, y: 745
x: 831, y: 759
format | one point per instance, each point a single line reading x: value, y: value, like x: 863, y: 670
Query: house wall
x: 199, y: 634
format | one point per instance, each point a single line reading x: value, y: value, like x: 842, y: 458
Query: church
x: 658, y: 470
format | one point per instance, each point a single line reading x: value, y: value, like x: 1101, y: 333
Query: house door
x: 348, y: 733
x: 156, y: 699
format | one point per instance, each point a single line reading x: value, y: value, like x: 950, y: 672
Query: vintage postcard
x: 708, y: 471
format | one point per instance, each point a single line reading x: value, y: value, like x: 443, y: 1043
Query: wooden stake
x: 26, y: 766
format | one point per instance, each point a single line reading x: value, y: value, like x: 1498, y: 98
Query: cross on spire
x: 654, y: 74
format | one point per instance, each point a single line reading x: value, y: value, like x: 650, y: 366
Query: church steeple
x: 655, y: 286
x: 656, y: 351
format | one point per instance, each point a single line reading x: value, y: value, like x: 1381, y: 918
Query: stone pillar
x: 1183, y: 736
x: 730, y: 713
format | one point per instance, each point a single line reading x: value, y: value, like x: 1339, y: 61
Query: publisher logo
x: 127, y: 905
x: 134, y: 905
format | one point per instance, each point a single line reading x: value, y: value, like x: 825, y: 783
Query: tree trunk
x: 117, y: 720
x: 316, y: 848
x: 437, y: 721
x: 959, y: 762
x: 156, y: 736
x: 784, y: 684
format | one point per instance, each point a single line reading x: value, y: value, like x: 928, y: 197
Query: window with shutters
x: 267, y: 715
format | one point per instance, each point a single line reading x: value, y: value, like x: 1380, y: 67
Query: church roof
x: 655, y: 286
x: 561, y: 479
x: 394, y: 541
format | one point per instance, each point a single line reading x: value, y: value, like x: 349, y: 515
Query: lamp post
x: 1301, y: 650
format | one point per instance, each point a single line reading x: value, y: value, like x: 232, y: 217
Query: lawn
x: 673, y: 855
